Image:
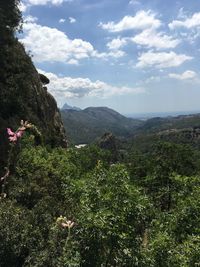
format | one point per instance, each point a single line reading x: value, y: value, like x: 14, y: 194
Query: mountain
x: 85, y: 126
x: 66, y: 106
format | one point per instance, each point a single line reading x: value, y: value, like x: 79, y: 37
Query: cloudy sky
x: 135, y: 56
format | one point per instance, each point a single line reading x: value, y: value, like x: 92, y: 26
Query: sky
x: 135, y: 56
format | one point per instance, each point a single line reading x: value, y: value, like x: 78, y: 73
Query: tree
x: 167, y: 160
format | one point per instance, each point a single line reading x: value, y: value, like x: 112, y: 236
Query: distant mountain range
x: 85, y: 126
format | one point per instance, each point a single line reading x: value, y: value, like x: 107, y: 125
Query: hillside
x: 86, y: 125
x: 179, y: 122
x: 183, y: 129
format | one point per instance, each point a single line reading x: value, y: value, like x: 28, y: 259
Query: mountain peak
x: 66, y: 106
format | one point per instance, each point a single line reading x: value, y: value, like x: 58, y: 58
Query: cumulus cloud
x: 50, y: 44
x: 62, y: 20
x: 150, y: 38
x: 22, y: 7
x: 188, y: 23
x: 134, y: 2
x: 45, y: 2
x: 161, y: 60
x: 73, y: 62
x: 187, y: 75
x: 142, y: 20
x: 117, y: 43
x: 72, y: 20
x: 153, y: 79
x: 68, y: 87
x: 112, y: 54
x: 30, y: 19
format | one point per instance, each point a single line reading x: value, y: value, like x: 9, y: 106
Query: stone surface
x: 23, y: 96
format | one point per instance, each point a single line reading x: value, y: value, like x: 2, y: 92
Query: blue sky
x: 135, y: 56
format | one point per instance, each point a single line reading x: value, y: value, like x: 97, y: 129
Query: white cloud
x: 151, y: 38
x: 112, y: 54
x: 142, y: 20
x: 117, y: 43
x: 50, y: 44
x: 153, y: 79
x: 22, y: 7
x: 134, y: 2
x: 188, y: 23
x: 182, y: 13
x: 187, y: 75
x: 115, y: 54
x: 72, y: 20
x: 73, y: 61
x: 45, y: 2
x: 161, y: 60
x: 30, y: 19
x: 80, y: 87
x: 62, y: 20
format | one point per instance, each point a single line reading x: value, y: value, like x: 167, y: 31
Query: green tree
x: 112, y: 218
x: 166, y: 160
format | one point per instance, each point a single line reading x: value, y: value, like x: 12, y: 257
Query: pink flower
x: 19, y: 133
x: 14, y: 136
x: 10, y: 132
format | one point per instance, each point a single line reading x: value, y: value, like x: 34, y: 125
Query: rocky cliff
x: 23, y: 96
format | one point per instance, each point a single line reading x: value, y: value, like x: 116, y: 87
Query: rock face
x: 108, y: 142
x: 23, y: 96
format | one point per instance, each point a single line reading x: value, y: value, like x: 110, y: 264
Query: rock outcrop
x: 23, y: 96
x: 109, y: 142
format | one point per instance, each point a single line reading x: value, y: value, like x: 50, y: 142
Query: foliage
x: 117, y: 210
x: 113, y: 216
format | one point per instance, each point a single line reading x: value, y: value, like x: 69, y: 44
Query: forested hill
x: 84, y: 126
x: 183, y: 129
x: 157, y: 124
